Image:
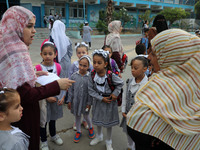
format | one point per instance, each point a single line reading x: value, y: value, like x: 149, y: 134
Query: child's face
x: 109, y: 50
x: 81, y: 51
x: 14, y: 112
x: 99, y: 64
x: 83, y: 66
x: 137, y: 68
x: 48, y: 55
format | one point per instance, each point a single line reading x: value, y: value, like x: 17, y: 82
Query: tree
x: 173, y: 14
x: 122, y: 15
x: 197, y: 9
x: 102, y: 25
x: 109, y: 11
x: 146, y: 16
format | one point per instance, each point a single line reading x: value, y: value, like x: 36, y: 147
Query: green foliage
x: 101, y: 24
x: 197, y: 9
x: 146, y: 16
x: 173, y: 14
x: 122, y: 15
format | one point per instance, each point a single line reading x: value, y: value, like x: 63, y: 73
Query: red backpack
x: 112, y: 87
x: 58, y: 68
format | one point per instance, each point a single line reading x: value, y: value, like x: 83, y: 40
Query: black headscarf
x: 160, y: 23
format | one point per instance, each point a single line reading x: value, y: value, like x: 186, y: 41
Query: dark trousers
x: 52, y: 130
x: 89, y: 44
x: 144, y: 141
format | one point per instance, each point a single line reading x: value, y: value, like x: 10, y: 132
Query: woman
x: 114, y: 41
x: 16, y: 35
x: 86, y: 34
x: 167, y: 107
x: 159, y: 25
x: 63, y: 45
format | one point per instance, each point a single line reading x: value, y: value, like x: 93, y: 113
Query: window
x: 76, y: 10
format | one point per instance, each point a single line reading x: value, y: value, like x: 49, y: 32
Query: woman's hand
x: 69, y: 105
x: 112, y: 97
x: 65, y: 83
x: 124, y: 115
x: 60, y: 102
x: 106, y: 100
x: 41, y: 73
x: 51, y: 99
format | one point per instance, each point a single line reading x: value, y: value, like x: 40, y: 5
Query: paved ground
x: 64, y: 125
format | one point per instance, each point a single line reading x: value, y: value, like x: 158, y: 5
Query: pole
x: 7, y: 3
x: 84, y: 10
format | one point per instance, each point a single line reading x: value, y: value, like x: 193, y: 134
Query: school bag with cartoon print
x: 112, y: 87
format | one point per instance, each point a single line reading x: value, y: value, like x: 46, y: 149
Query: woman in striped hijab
x: 168, y: 106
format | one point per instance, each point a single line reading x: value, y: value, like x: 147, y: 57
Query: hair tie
x: 48, y: 42
x: 105, y: 54
x: 2, y: 92
x: 82, y: 43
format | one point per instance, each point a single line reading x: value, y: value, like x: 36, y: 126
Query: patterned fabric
x: 15, y: 63
x: 168, y: 107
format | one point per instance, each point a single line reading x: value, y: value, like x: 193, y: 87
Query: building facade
x: 74, y: 12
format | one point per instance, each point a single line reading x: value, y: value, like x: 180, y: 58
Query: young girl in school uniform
x: 139, y: 66
x: 79, y: 101
x: 53, y: 104
x: 105, y: 106
x: 81, y: 49
x: 11, y: 138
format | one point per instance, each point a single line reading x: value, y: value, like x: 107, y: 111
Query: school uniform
x: 104, y: 114
x: 78, y: 94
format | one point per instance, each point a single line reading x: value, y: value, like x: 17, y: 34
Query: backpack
x: 138, y: 42
x: 112, y: 87
x: 113, y: 67
x: 58, y: 68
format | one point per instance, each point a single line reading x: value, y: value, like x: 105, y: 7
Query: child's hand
x: 112, y: 97
x: 106, y: 100
x: 120, y: 75
x: 41, y: 73
x: 51, y: 99
x: 124, y: 115
x: 69, y: 105
x: 60, y: 102
x: 88, y: 108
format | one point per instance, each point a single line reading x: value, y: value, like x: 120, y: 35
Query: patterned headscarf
x: 60, y: 39
x: 15, y: 62
x: 114, y: 26
x: 168, y: 107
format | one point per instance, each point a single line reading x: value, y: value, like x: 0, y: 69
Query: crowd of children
x: 96, y: 90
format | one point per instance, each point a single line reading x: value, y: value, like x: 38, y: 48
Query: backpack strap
x: 109, y: 79
x: 38, y: 67
x: 93, y: 72
x: 58, y: 68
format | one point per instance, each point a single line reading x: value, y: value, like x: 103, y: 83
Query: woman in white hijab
x: 114, y: 41
x: 63, y: 45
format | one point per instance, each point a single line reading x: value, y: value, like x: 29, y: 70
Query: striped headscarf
x: 15, y: 62
x: 168, y: 107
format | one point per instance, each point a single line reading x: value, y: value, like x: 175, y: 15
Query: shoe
x: 56, y: 139
x: 74, y: 126
x: 109, y: 146
x: 91, y: 133
x: 85, y: 125
x: 96, y: 141
x: 44, y: 146
x: 77, y: 137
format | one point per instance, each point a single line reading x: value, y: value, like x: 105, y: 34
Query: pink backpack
x: 58, y: 68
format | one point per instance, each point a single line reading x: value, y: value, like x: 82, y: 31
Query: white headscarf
x: 60, y: 39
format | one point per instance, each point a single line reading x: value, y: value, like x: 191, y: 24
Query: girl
x: 105, y: 107
x: 139, y: 66
x: 80, y: 102
x: 53, y: 104
x: 114, y: 66
x: 11, y: 111
x: 86, y: 34
x: 81, y: 49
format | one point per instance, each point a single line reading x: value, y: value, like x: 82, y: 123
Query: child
x: 145, y: 40
x: 81, y: 49
x: 114, y: 66
x: 140, y: 50
x: 138, y: 68
x: 86, y: 34
x: 11, y: 138
x: 53, y: 104
x: 79, y: 101
x: 105, y: 107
